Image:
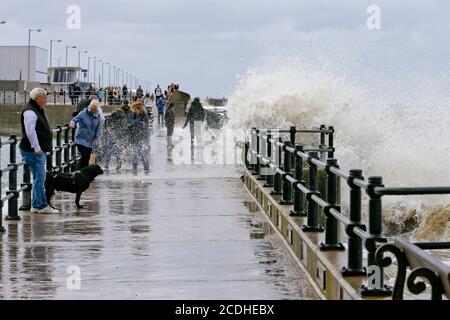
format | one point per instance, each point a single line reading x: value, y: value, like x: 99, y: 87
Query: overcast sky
x: 205, y: 44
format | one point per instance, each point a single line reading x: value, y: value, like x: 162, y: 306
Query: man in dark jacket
x: 36, y: 142
x: 169, y: 118
x: 195, y: 118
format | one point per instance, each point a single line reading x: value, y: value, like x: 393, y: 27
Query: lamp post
x: 29, y: 51
x: 67, y: 61
x: 115, y: 68
x: 95, y: 67
x: 51, y: 50
x: 103, y: 63
x: 79, y: 62
x: 89, y: 64
x: 109, y: 75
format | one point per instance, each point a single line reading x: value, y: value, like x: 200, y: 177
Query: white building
x: 14, y: 63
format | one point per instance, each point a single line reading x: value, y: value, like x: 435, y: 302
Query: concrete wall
x: 56, y: 115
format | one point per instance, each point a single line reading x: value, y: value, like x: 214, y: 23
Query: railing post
x: 245, y: 156
x: 269, y: 176
x: 257, y: 161
x: 262, y: 173
x: 377, y: 287
x: 2, y: 228
x: 66, y: 149
x: 277, y: 177
x: 331, y: 142
x: 323, y: 144
x: 49, y: 162
x: 355, y: 253
x: 58, y: 148
x: 292, y: 132
x: 313, y: 224
x: 252, y: 149
x: 74, y: 152
x: 299, y: 197
x: 26, y: 194
x: 332, y: 226
x: 13, y: 201
x: 287, y: 186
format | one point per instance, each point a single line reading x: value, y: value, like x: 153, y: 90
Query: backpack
x: 81, y: 106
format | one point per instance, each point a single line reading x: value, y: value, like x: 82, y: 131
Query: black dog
x: 74, y: 183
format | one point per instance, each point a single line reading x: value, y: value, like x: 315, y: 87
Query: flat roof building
x: 14, y: 63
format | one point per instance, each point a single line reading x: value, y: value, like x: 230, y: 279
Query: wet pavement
x: 183, y: 232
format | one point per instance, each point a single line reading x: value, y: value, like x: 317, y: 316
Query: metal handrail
x: 281, y: 156
x: 62, y: 158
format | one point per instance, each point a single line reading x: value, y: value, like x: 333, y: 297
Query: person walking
x: 112, y: 136
x: 36, y: 142
x: 140, y: 92
x: 158, y: 93
x: 140, y: 137
x: 88, y: 130
x: 169, y: 118
x: 101, y: 95
x: 195, y: 118
x: 160, y: 106
x: 124, y: 92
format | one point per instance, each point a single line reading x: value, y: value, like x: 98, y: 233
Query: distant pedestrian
x: 158, y: 93
x: 140, y: 92
x: 88, y: 131
x: 101, y: 95
x: 195, y: 118
x: 140, y: 137
x: 170, y: 123
x: 160, y: 106
x: 124, y: 92
x: 35, y: 143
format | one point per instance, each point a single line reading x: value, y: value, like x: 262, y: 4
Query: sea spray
x: 403, y: 140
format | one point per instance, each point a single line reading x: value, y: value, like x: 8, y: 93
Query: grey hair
x: 37, y: 93
x: 95, y: 102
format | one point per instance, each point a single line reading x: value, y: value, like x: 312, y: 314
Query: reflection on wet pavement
x: 156, y: 237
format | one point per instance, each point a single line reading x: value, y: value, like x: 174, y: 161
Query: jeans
x: 85, y: 154
x: 160, y: 118
x: 36, y: 163
x: 141, y: 152
x: 113, y: 149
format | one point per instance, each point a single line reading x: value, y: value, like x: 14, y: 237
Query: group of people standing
x: 130, y: 126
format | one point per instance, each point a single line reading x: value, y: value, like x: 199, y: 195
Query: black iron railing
x: 291, y: 169
x: 63, y: 158
x: 58, y: 98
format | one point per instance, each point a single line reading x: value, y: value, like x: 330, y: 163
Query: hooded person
x: 195, y: 118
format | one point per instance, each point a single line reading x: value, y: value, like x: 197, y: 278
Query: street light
x: 95, y: 66
x: 29, y: 51
x: 109, y: 75
x: 79, y: 63
x: 103, y: 63
x: 89, y: 64
x: 67, y: 58
x: 51, y: 50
